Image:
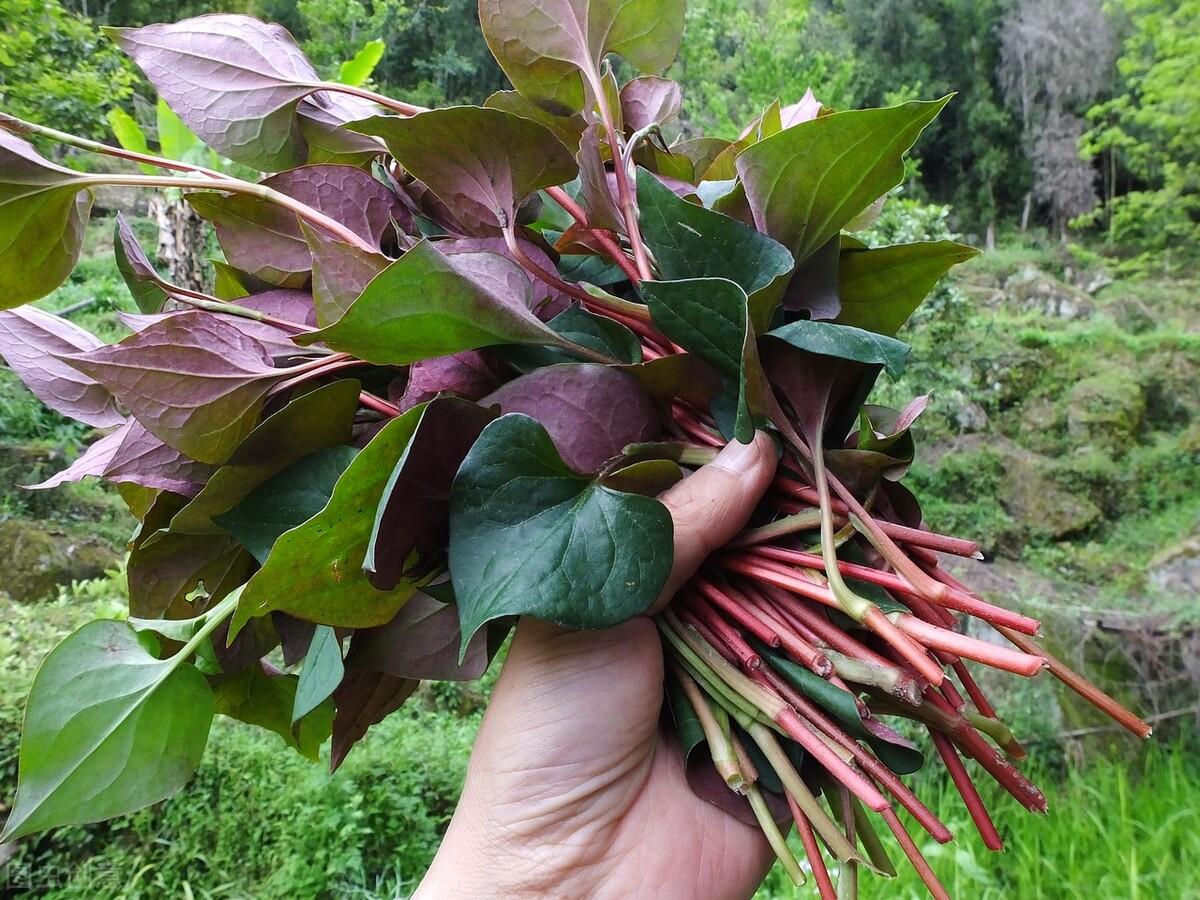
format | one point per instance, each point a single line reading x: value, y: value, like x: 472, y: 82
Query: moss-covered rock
x: 37, y: 560
x: 1031, y: 290
x: 1106, y: 410
x: 1033, y: 496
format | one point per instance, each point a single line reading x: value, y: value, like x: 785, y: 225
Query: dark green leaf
x: 108, y: 729
x: 806, y: 182
x: 286, y: 500
x: 322, y: 672
x: 517, y: 525
x: 845, y: 342
x: 881, y: 288
x: 314, y: 571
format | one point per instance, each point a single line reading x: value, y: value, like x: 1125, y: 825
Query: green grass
x: 1117, y: 830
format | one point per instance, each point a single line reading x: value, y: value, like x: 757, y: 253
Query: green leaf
x: 43, y: 211
x: 880, y: 288
x: 551, y: 49
x: 322, y: 672
x: 529, y: 536
x: 710, y: 317
x: 567, y: 129
x: 688, y: 729
x: 313, y: 421
x: 481, y: 162
x: 136, y: 269
x: 286, y: 500
x: 129, y: 134
x: 340, y: 273
x: 806, y: 182
x: 108, y: 730
x: 598, y: 333
x: 175, y: 139
x: 845, y: 342
x: 421, y: 306
x: 357, y: 70
x: 267, y: 700
x: 314, y: 571
x: 689, y: 241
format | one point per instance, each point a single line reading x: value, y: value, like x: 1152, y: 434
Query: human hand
x: 573, y: 790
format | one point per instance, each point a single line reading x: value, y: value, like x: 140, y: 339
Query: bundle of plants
x: 450, y: 359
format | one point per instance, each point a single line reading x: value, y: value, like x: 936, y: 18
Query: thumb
x: 712, y: 505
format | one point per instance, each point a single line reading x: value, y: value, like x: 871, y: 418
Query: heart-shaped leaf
x: 689, y: 241
x: 518, y: 515
x: 845, y: 342
x: 195, y: 382
x: 314, y: 571
x: 422, y: 306
x: 322, y: 672
x: 43, y: 211
x: 544, y: 300
x: 286, y: 500
x: 551, y: 50
x: 409, y: 533
x: 266, y: 240
x: 590, y: 412
x: 313, y: 421
x: 481, y: 162
x: 234, y: 80
x: 340, y: 273
x: 266, y: 699
x: 108, y: 729
x: 880, y: 288
x: 30, y: 340
x: 136, y: 269
x: 710, y: 317
x: 132, y: 455
x: 806, y: 182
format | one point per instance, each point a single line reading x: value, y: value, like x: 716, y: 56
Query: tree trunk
x: 991, y: 236
x: 181, y: 242
x: 1026, y: 211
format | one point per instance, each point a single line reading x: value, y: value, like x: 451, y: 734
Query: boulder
x: 1106, y: 410
x: 1032, y: 290
x: 37, y: 560
x: 1176, y: 570
x: 1033, y: 496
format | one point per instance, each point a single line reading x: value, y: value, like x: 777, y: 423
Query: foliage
x: 55, y: 67
x: 1147, y: 136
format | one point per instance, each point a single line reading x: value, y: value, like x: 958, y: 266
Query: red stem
x: 370, y: 401
x: 738, y: 612
x: 812, y: 850
x: 697, y: 610
x: 575, y: 211
x: 966, y: 789
x: 914, y: 855
x: 962, y: 645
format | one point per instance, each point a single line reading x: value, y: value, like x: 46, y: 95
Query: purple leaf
x: 132, y: 455
x: 43, y: 212
x: 595, y: 184
x: 364, y: 699
x: 470, y: 374
x: 321, y: 119
x: 266, y: 240
x: 340, y: 273
x: 29, y: 342
x: 649, y: 100
x: 591, y: 412
x: 291, y: 306
x: 803, y: 110
x: 414, y: 509
x: 235, y: 81
x: 136, y: 269
x: 276, y: 341
x: 196, y: 382
x: 482, y: 163
x: 420, y: 642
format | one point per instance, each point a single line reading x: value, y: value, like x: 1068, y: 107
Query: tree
x: 1149, y: 134
x: 56, y: 66
x: 1056, y: 58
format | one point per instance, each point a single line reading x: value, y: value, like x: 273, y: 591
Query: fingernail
x: 737, y: 457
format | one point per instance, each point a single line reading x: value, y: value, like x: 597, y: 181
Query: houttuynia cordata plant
x: 450, y: 359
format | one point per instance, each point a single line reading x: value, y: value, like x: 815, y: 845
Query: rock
x: 1033, y: 497
x: 1034, y: 291
x: 1176, y: 570
x: 1132, y: 315
x: 1040, y: 425
x: 1090, y: 281
x: 37, y: 561
x: 970, y: 418
x: 1106, y: 410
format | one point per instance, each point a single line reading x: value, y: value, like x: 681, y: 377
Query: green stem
x: 235, y: 186
x: 774, y: 836
x: 212, y: 304
x: 212, y: 620
x: 406, y: 109
x: 21, y: 126
x: 714, y: 722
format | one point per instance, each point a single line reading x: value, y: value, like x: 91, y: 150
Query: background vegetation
x: 1064, y: 432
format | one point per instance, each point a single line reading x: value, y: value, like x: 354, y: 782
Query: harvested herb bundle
x: 450, y: 359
